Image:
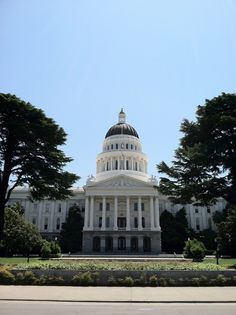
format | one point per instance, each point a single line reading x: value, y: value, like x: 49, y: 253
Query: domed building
x: 121, y: 202
x: 120, y: 205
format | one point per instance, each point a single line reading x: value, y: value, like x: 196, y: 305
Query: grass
x: 16, y: 260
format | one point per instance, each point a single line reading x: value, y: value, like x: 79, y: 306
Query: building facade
x: 121, y: 204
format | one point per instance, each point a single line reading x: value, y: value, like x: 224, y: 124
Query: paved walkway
x: 120, y: 294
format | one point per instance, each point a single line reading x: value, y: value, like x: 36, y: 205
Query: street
x: 73, y: 308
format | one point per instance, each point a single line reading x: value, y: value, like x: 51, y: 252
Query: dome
x: 122, y: 129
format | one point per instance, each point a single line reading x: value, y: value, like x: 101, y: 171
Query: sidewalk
x: 120, y: 294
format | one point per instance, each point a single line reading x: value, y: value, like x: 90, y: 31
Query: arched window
x: 134, y: 244
x: 107, y: 166
x: 108, y: 244
x: 127, y: 164
x: 116, y: 166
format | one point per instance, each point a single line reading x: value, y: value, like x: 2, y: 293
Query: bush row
x: 93, y: 278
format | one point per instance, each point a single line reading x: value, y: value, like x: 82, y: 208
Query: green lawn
x: 227, y: 262
x: 16, y: 260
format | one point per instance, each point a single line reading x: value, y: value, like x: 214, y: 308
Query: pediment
x: 120, y: 182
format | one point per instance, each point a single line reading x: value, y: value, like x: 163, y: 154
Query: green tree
x: 174, y: 231
x: 19, y: 236
x: 194, y: 249
x: 204, y: 167
x: 30, y: 153
x: 71, y: 231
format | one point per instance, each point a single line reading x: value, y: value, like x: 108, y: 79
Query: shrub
x: 194, y: 249
x: 46, y: 250
x: 195, y: 282
x: 153, y: 281
x: 220, y: 280
x: 55, y: 249
x: 6, y: 277
x: 85, y: 278
x: 127, y: 281
x: 111, y: 281
x: 54, y: 281
x: 162, y: 282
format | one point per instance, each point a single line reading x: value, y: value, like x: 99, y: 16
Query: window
x: 108, y: 244
x: 107, y: 206
x: 121, y: 243
x: 208, y: 210
x: 146, y: 244
x: 122, y: 146
x: 142, y: 205
x: 196, y: 210
x: 58, y: 224
x: 127, y: 164
x: 143, y: 222
x: 59, y: 207
x: 135, y: 222
x: 45, y: 223
x: 131, y: 147
x: 135, y: 206
x: 197, y: 224
x: 96, y: 244
x: 83, y: 209
x: 108, y: 148
x: 112, y: 146
x: 116, y: 166
x: 134, y: 244
x: 127, y: 146
x: 100, y: 222
x: 100, y: 206
x: 116, y: 146
x: 107, y: 166
x: 34, y: 221
x: 136, y: 166
x: 121, y: 222
x: 107, y: 222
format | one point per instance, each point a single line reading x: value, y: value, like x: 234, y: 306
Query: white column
x: 132, y: 163
x: 152, y: 225
x: 86, y: 213
x: 127, y: 214
x: 91, y: 213
x: 115, y: 212
x: 124, y: 163
x: 157, y: 214
x: 140, y: 227
x: 111, y: 160
x: 103, y: 227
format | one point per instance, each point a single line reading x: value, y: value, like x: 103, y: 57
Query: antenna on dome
x: 122, y: 116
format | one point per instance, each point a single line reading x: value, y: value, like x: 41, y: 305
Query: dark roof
x: 122, y: 129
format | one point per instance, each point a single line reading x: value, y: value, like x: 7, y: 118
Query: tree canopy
x: 204, y: 167
x: 30, y: 153
x: 19, y: 236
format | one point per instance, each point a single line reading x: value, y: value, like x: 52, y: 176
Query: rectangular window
x: 121, y: 222
x: 100, y: 222
x: 135, y: 222
x: 117, y: 146
x: 127, y: 146
x: 131, y: 147
x: 100, y: 206
x: 143, y: 222
x: 34, y: 221
x: 112, y: 146
x: 107, y: 222
x: 58, y: 225
x: 197, y: 224
x: 135, y: 206
x: 208, y: 210
x: 142, y: 205
x: 108, y: 206
x: 59, y: 207
x: 45, y: 224
x: 196, y: 210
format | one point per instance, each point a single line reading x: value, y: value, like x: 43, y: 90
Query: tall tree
x: 30, y: 153
x: 71, y: 231
x: 204, y: 167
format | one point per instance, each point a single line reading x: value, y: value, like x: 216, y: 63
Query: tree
x: 174, y: 231
x: 19, y: 236
x: 194, y: 249
x: 71, y: 231
x: 30, y: 153
x: 204, y: 167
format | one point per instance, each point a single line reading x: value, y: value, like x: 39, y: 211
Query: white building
x: 121, y: 204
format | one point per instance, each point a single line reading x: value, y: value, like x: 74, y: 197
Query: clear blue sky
x: 81, y: 61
